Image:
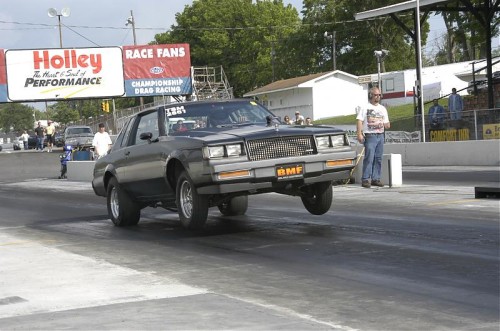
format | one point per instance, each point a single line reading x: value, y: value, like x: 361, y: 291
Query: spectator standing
x: 40, y: 132
x: 101, y: 142
x: 455, y: 105
x: 371, y: 121
x: 308, y: 121
x: 436, y: 115
x: 25, y: 137
x: 299, y: 119
x: 50, y: 131
x: 286, y: 120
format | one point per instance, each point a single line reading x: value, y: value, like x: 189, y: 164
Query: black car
x: 239, y: 148
x: 33, y: 141
x: 59, y: 140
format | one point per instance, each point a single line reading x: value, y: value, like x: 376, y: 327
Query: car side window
x: 147, y: 123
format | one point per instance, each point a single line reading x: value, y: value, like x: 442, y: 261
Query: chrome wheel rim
x: 186, y: 199
x: 114, y: 203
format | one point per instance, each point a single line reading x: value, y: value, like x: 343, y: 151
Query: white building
x: 437, y: 81
x: 317, y: 96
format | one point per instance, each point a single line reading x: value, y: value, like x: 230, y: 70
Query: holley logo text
x: 43, y: 60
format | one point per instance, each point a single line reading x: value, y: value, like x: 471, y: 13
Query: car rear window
x: 79, y: 131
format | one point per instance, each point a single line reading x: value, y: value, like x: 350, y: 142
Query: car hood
x: 250, y: 132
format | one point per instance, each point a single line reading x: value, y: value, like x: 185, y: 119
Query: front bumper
x: 262, y: 175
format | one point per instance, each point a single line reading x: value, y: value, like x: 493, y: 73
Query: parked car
x: 80, y: 136
x: 59, y: 140
x: 17, y: 144
x: 242, y: 150
x: 32, y: 141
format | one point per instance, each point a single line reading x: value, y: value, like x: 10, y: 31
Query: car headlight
x: 337, y: 140
x: 330, y: 141
x: 213, y: 152
x: 233, y: 150
x: 323, y: 141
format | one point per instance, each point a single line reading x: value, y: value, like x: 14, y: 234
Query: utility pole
x: 380, y: 55
x: 131, y: 21
x: 332, y: 37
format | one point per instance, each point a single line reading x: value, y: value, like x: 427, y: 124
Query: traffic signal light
x: 105, y: 106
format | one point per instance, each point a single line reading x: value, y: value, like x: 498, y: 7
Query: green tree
x: 241, y: 35
x: 356, y: 40
x: 466, y: 35
x: 16, y: 117
x: 64, y: 113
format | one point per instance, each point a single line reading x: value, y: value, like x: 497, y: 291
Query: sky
x: 25, y: 24
x: 105, y: 21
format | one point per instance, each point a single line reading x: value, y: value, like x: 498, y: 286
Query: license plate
x: 290, y: 171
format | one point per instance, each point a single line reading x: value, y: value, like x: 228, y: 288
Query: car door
x: 144, y: 164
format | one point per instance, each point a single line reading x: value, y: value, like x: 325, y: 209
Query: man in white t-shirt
x: 102, y: 142
x: 299, y: 119
x: 371, y: 122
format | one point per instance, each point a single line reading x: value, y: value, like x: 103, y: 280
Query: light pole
x: 131, y: 21
x: 52, y: 12
x: 332, y: 38
x: 380, y: 55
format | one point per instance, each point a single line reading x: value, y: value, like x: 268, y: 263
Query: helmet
x: 67, y: 148
x: 219, y: 118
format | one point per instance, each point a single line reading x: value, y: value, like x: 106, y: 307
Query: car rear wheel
x: 320, y: 198
x: 122, y: 210
x: 234, y: 207
x: 192, y: 207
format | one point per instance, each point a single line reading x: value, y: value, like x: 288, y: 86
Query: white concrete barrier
x: 392, y: 170
x: 80, y: 170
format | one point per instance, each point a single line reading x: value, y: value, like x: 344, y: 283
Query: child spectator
x: 65, y: 157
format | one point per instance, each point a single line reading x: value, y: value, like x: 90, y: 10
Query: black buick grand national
x: 236, y: 148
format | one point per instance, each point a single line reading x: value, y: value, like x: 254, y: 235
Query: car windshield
x: 217, y: 114
x: 75, y: 131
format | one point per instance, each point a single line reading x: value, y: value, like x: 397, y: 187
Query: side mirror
x: 146, y: 136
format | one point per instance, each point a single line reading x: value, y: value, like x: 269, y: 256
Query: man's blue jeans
x: 39, y: 143
x: 372, y: 162
x: 455, y: 115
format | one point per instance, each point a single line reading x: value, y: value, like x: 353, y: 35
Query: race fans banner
x: 55, y: 74
x: 3, y: 78
x: 157, y: 70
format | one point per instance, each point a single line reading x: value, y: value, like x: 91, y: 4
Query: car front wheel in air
x: 122, y: 210
x: 319, y: 199
x: 192, y: 207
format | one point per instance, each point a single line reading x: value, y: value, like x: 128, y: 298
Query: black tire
x: 234, y: 207
x: 320, y: 200
x: 122, y: 210
x: 192, y: 207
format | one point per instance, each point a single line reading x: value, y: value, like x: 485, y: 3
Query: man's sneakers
x: 367, y: 184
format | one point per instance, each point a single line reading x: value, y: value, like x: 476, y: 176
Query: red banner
x: 157, y: 70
